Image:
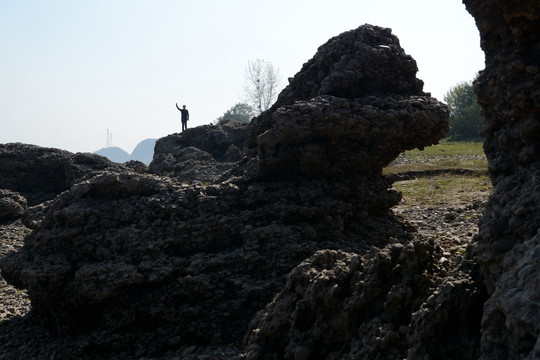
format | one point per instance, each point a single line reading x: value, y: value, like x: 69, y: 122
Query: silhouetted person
x: 185, y: 116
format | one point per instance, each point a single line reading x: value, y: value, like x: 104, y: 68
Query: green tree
x: 466, y: 120
x: 240, y: 112
x: 261, y: 84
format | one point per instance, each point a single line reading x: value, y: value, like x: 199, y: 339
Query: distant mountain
x: 114, y: 153
x: 143, y: 152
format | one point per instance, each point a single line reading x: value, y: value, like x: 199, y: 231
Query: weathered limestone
x: 201, y: 154
x: 39, y: 174
x: 499, y: 302
x: 508, y: 246
x: 12, y: 205
x: 151, y: 264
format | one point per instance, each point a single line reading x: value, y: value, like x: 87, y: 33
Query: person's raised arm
x: 177, y: 106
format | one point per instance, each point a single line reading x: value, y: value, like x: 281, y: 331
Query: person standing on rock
x: 185, y: 116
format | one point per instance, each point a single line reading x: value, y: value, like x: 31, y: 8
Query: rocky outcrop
x: 202, y: 153
x: 157, y: 264
x: 12, y: 205
x: 335, y: 137
x: 499, y: 285
x: 142, y: 264
x: 366, y: 61
x: 339, y: 305
x: 507, y: 246
x: 39, y: 173
x: 167, y: 254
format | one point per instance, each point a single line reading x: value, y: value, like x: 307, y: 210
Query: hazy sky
x: 71, y: 69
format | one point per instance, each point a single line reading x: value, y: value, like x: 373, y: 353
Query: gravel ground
x: 406, y: 159
x: 13, y: 302
x: 21, y: 337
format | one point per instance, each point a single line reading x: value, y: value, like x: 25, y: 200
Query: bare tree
x: 261, y: 84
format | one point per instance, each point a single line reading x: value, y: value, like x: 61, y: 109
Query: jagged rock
x: 206, y: 257
x: 233, y: 154
x: 189, y: 164
x: 12, y: 205
x: 447, y: 325
x: 330, y: 136
x: 137, y: 166
x: 202, y: 154
x: 155, y: 263
x: 213, y: 139
x: 339, y: 305
x: 509, y: 92
x: 358, y: 63
x: 510, y: 325
x: 506, y: 250
x: 39, y: 173
x: 507, y: 246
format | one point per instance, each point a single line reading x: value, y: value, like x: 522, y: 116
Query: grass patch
x: 451, y: 148
x: 447, y: 189
x: 446, y: 155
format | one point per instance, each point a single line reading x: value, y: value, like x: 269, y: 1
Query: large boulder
x: 358, y: 63
x: 40, y: 174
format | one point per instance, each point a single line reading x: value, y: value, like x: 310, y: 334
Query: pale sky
x: 71, y: 69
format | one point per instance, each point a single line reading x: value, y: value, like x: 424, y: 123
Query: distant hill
x: 143, y: 152
x: 114, y: 153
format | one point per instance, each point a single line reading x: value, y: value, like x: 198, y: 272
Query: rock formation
x: 508, y: 243
x: 352, y: 65
x: 12, y: 205
x: 39, y: 173
x: 201, y: 154
x: 298, y: 242
x: 149, y: 263
x: 494, y: 295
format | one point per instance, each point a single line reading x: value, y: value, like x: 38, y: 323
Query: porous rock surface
x: 39, y: 174
x: 203, y: 153
x: 12, y: 205
x: 507, y: 247
x: 336, y: 137
x: 499, y: 283
x: 156, y: 264
x: 339, y: 305
x: 352, y: 65
x: 485, y: 308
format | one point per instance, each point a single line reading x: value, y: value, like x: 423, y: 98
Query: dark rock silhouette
x: 213, y: 139
x: 352, y: 65
x: 508, y: 244
x: 202, y: 154
x: 39, y: 173
x: 497, y: 286
x: 12, y: 205
x: 298, y: 246
x: 336, y: 137
x: 149, y: 262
